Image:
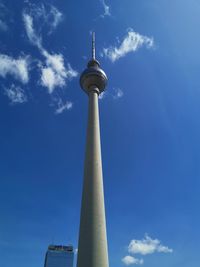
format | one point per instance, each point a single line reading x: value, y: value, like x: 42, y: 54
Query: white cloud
x: 32, y: 36
x: 15, y: 94
x: 118, y: 93
x: 56, y: 62
x: 131, y: 43
x: 19, y: 68
x: 102, y: 95
x: 53, y: 72
x: 129, y: 260
x: 106, y: 9
x: 45, y: 15
x: 147, y: 246
x: 57, y: 17
x: 49, y: 79
x: 62, y: 106
x: 4, y: 16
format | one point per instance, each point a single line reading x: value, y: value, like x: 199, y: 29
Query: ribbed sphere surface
x: 92, y: 77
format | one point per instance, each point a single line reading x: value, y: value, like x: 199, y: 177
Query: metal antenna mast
x: 93, y: 45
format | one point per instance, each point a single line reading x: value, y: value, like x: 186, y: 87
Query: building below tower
x: 59, y: 256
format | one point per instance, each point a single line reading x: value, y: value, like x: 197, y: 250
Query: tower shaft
x: 92, y: 248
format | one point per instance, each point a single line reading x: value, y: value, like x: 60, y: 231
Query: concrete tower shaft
x: 92, y: 247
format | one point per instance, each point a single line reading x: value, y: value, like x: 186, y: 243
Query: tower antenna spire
x: 93, y: 45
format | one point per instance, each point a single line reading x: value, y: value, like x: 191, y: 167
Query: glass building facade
x: 59, y: 256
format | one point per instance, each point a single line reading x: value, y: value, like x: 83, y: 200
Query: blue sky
x: 150, y: 127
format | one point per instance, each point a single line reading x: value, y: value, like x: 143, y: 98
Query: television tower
x: 92, y: 247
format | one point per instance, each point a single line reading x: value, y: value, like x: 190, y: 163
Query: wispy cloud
x: 147, y: 246
x: 102, y: 95
x: 54, y: 73
x: 57, y: 17
x: 118, y: 93
x: 45, y: 14
x: 15, y: 94
x: 19, y: 68
x: 129, y: 260
x: 131, y: 43
x: 62, y: 106
x: 115, y: 93
x: 106, y: 9
x: 30, y: 31
x: 50, y: 79
x: 3, y: 15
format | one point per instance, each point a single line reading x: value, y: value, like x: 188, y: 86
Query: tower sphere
x: 93, y: 76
